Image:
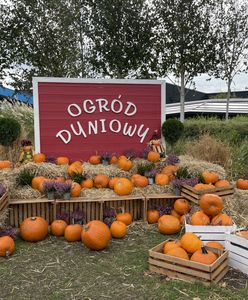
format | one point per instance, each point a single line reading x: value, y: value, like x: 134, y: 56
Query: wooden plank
x: 221, y: 275
x: 238, y: 265
x: 234, y: 248
x: 34, y: 200
x: 11, y: 216
x: 16, y: 216
x: 219, y: 269
x: 186, y: 196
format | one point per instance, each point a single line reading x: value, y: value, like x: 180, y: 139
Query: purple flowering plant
x: 151, y: 173
x: 178, y: 182
x: 51, y: 160
x: 78, y: 215
x: 8, y: 231
x: 164, y: 210
x: 106, y: 156
x: 62, y: 216
x: 62, y: 188
x: 130, y: 154
x: 49, y: 186
x: 2, y: 189
x: 109, y: 216
x: 172, y: 159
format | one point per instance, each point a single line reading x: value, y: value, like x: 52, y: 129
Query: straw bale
x: 4, y: 217
x: 24, y: 193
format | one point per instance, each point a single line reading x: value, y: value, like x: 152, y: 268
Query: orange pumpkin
x: 242, y: 184
x: 95, y: 159
x: 37, y: 181
x: 182, y: 219
x: 96, y: 235
x: 169, y: 170
x: 112, y: 182
x: 5, y: 164
x: 175, y: 214
x: 113, y: 160
x: 178, y: 252
x: 118, y: 229
x: 204, y: 256
x: 122, y: 157
x: 126, y: 218
x: 125, y: 164
x: 200, y: 218
x: 34, y: 229
x: 134, y: 177
x: 190, y: 242
x: 140, y: 181
x: 162, y: 179
x: 59, y: 179
x: 87, y: 183
x: 7, y: 246
x: 153, y: 156
x: 39, y: 158
x: 171, y: 244
x: 181, y: 206
x: 75, y: 189
x: 210, y: 177
x: 211, y: 204
x: 76, y: 168
x: 123, y: 186
x: 202, y: 186
x: 62, y: 160
x: 57, y: 227
x: 168, y: 224
x: 222, y: 183
x: 73, y: 233
x: 40, y: 187
x: 153, y: 216
x: 101, y: 181
x: 215, y: 245
x: 222, y: 219
x: 243, y: 233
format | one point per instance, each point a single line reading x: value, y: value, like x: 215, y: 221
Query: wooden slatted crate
x: 238, y: 252
x: 21, y: 209
x: 4, y: 202
x: 187, y: 270
x: 194, y: 195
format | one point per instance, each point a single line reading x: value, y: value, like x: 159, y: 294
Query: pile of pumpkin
x: 190, y: 247
x: 95, y: 235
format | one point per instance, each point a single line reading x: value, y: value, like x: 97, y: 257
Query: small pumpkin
x: 34, y: 229
x: 162, y: 179
x: 126, y: 218
x: 37, y: 181
x: 87, y: 184
x: 118, y: 229
x: 125, y: 164
x: 190, y: 242
x: 210, y: 177
x: 134, y: 177
x: 75, y: 189
x: 5, y: 164
x: 211, y: 204
x: 153, y: 216
x: 242, y: 184
x: 75, y: 168
x: 202, y: 186
x: 243, y: 233
x: 215, y: 245
x: 96, y: 235
x: 123, y: 186
x: 222, y: 219
x: 113, y: 160
x: 101, y: 181
x: 169, y: 170
x: 153, y: 156
x: 181, y: 206
x: 57, y: 227
x: 140, y: 181
x: 39, y: 158
x: 168, y: 224
x: 112, y: 182
x: 178, y: 252
x: 62, y: 160
x: 171, y: 244
x: 73, y: 233
x: 7, y: 246
x: 182, y: 219
x: 200, y: 218
x: 95, y: 159
x: 204, y: 256
x: 222, y: 183
x: 59, y: 179
x: 175, y: 214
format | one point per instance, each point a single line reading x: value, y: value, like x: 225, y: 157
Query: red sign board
x: 77, y: 118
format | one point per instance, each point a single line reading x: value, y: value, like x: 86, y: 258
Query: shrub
x: 10, y: 130
x: 172, y: 130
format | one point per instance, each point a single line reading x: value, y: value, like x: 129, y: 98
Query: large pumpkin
x: 125, y: 164
x: 5, y: 164
x: 126, y: 218
x: 95, y: 159
x: 62, y: 160
x: 153, y: 156
x: 7, y: 246
x: 75, y: 189
x: 123, y: 186
x: 87, y: 184
x: 211, y: 204
x: 37, y: 182
x: 204, y: 256
x: 101, y: 181
x: 118, y: 229
x: 222, y: 219
x: 181, y: 206
x: 171, y: 244
x: 190, y: 242
x: 168, y: 224
x: 200, y: 218
x: 162, y: 179
x: 140, y: 181
x: 214, y: 244
x: 57, y: 227
x: 96, y: 235
x: 34, y: 229
x: 210, y: 177
x: 242, y: 184
x: 39, y: 158
x: 75, y: 168
x: 153, y: 216
x: 73, y: 233
x: 178, y: 252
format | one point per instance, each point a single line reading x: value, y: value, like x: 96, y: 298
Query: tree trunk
x: 228, y: 98
x: 182, y: 95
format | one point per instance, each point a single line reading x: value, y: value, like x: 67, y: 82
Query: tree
x: 231, y: 30
x: 185, y: 44
x: 122, y: 38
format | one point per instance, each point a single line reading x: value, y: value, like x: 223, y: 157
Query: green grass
x: 56, y: 269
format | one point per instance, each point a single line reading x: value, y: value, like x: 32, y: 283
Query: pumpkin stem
x: 7, y: 254
x: 33, y: 218
x: 204, y: 250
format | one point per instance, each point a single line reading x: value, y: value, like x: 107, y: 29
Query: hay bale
x: 24, y: 193
x: 4, y: 217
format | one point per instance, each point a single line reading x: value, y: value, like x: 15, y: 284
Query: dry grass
x: 3, y: 218
x: 209, y: 149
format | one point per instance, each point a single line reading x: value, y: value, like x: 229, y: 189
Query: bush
x: 10, y: 130
x: 172, y: 130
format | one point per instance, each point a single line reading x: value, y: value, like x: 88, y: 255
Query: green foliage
x: 25, y: 177
x: 183, y: 172
x: 238, y: 167
x: 172, y: 130
x: 77, y: 177
x: 10, y: 130
x: 144, y: 167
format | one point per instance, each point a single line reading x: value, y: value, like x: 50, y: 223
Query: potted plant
x: 49, y: 189
x: 63, y: 190
x: 178, y: 182
x: 109, y: 216
x: 150, y: 174
x: 62, y: 216
x: 105, y: 157
x: 78, y: 217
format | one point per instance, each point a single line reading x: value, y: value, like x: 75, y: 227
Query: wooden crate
x: 194, y: 195
x: 4, y: 202
x: 238, y: 252
x: 211, y: 233
x: 187, y: 270
x: 21, y: 209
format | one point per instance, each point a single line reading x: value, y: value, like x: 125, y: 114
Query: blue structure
x: 15, y: 95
